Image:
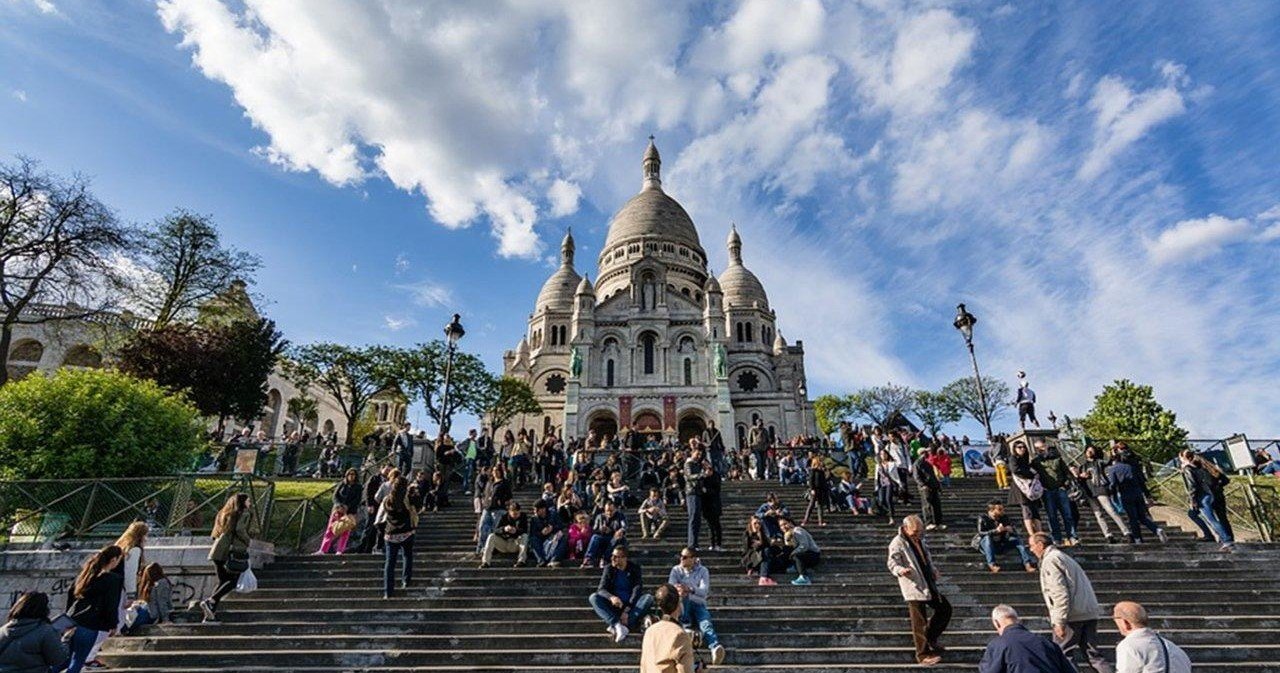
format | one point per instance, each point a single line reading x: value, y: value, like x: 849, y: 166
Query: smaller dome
x: 742, y: 289
x: 557, y: 293
x: 522, y: 348
x: 712, y: 285
x: 585, y: 286
x: 779, y: 344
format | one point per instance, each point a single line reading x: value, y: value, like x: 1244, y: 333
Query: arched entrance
x: 691, y: 425
x: 604, y: 424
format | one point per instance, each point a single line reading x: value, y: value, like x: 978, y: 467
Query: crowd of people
x: 591, y: 491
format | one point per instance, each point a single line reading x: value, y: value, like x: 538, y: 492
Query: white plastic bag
x: 248, y: 582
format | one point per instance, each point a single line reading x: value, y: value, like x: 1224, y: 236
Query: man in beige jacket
x: 1073, y: 607
x: 667, y: 647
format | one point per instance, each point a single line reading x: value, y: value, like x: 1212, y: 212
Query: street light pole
x: 964, y: 322
x: 804, y: 411
x: 453, y: 332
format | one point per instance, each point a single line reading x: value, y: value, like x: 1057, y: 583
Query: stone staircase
x: 327, y: 614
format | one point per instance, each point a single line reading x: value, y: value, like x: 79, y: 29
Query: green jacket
x: 1052, y: 469
x: 234, y: 540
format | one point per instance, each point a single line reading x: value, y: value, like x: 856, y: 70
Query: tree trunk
x: 351, y: 428
x: 6, y: 337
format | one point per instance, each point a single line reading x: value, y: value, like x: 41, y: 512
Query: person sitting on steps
x: 547, y: 538
x: 510, y: 536
x: 653, y: 515
x: 996, y: 534
x: 620, y: 599
x: 805, y: 554
x: 692, y: 581
x: 609, y: 531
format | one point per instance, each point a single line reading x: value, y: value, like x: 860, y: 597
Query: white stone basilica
x: 658, y: 343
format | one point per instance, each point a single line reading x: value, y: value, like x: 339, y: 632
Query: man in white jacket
x: 693, y: 581
x: 1144, y: 650
x: 1073, y: 607
x: 910, y: 562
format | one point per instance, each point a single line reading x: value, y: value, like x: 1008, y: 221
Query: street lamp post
x: 453, y: 332
x: 964, y: 322
x: 804, y: 411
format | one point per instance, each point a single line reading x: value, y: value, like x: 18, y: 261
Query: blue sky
x: 1098, y: 181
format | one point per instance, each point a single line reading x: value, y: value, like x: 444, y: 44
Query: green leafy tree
x: 934, y: 410
x: 189, y: 266
x: 304, y: 410
x: 963, y: 395
x: 828, y: 411
x: 504, y: 399
x: 58, y: 244
x: 1129, y: 411
x: 82, y: 423
x: 351, y: 375
x: 222, y: 368
x: 420, y: 372
x: 879, y: 404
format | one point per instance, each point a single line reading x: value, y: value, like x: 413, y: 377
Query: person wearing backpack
x: 1143, y: 650
x: 28, y: 643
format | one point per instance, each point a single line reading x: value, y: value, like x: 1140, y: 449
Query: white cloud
x: 1123, y: 115
x: 1196, y: 239
x: 911, y: 76
x: 401, y: 263
x: 564, y: 197
x: 44, y: 6
x: 20, y: 95
x: 397, y: 323
x: 428, y: 293
x: 1272, y: 232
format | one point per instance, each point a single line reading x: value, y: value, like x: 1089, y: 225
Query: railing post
x: 88, y: 509
x: 1257, y: 509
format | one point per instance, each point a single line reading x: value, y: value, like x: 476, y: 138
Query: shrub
x: 94, y: 423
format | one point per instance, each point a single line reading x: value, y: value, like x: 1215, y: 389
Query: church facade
x: 658, y: 343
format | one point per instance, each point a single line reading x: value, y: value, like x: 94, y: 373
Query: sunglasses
x: 684, y: 556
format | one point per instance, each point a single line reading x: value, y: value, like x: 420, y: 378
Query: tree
x: 82, y: 423
x: 420, y: 371
x: 1126, y: 410
x: 934, y: 410
x: 189, y: 264
x: 828, y: 411
x: 879, y: 404
x: 504, y: 399
x: 223, y: 369
x: 303, y: 410
x: 963, y: 395
x: 58, y: 245
x: 352, y: 375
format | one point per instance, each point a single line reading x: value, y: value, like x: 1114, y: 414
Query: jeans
x: 805, y: 562
x: 1136, y: 508
x: 1211, y: 517
x: 468, y: 480
x: 404, y: 461
x: 693, y: 505
x: 695, y: 613
x: 990, y: 547
x: 488, y: 521
x: 612, y: 615
x: 391, y: 551
x: 548, y: 549
x: 370, y: 535
x: 762, y: 465
x: 775, y: 560
x: 1058, y: 506
x: 931, y: 506
x: 1084, y: 636
x: 81, y: 643
x: 884, y: 499
x: 602, y: 546
x: 1102, y: 505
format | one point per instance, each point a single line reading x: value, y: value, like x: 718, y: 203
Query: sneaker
x: 801, y: 581
x: 1228, y: 547
x: 553, y: 564
x: 621, y: 633
x: 993, y: 568
x: 95, y: 664
x: 931, y: 527
x: 519, y: 564
x: 483, y: 566
x: 766, y: 582
x: 717, y: 654
x: 931, y: 660
x: 648, y: 622
x: 1161, y: 534
x: 1075, y: 541
x: 206, y: 606
x: 1111, y: 539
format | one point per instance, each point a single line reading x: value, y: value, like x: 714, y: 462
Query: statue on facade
x: 575, y: 362
x: 722, y: 362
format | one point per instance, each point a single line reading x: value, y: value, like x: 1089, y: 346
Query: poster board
x: 246, y: 461
x: 976, y: 461
x: 1239, y: 453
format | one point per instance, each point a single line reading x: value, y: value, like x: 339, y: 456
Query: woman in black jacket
x: 401, y: 523
x: 754, y: 542
x: 819, y: 491
x: 712, y: 507
x: 95, y: 603
x: 1200, y: 490
x: 28, y: 643
x: 1024, y: 474
x: 348, y: 491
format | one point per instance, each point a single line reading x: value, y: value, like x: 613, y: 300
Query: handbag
x: 237, y: 562
x: 343, y: 525
x: 1031, y: 488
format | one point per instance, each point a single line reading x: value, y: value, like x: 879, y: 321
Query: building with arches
x: 658, y: 343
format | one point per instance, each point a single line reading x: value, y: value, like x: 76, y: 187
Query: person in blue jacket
x: 1017, y: 650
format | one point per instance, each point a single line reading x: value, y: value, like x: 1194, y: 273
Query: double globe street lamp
x: 964, y: 322
x: 453, y: 332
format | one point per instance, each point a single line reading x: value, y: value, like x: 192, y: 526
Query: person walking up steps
x: 911, y: 562
x: 1017, y: 650
x: 1073, y: 607
x: 1143, y: 650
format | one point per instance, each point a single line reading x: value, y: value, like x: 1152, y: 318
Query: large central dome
x: 652, y: 214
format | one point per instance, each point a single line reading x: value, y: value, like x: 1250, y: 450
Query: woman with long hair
x: 886, y: 477
x: 400, y: 523
x: 1199, y: 482
x: 1092, y: 473
x: 230, y: 551
x: 95, y: 603
x: 27, y: 641
x: 155, y: 597
x: 754, y: 542
x: 819, y: 491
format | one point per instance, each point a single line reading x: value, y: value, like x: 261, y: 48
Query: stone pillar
x: 570, y: 428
